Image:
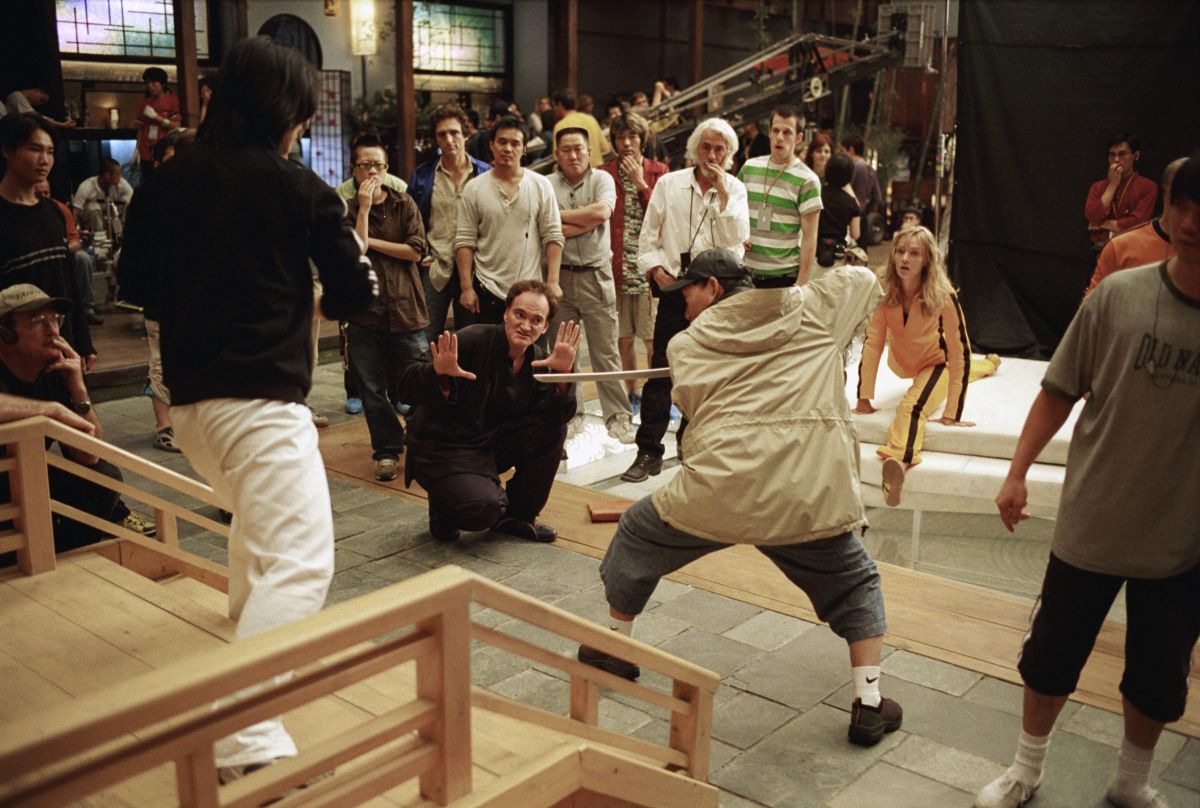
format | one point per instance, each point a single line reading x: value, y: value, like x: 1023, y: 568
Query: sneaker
x: 635, y: 403
x: 139, y: 524
x: 575, y: 425
x: 620, y: 428
x: 319, y: 421
x: 994, y: 359
x: 165, y: 439
x: 353, y: 405
x: 644, y: 466
x: 1006, y: 791
x: 893, y: 481
x: 868, y: 724
x: 614, y: 665
x: 440, y: 528
x: 385, y: 469
x: 227, y: 774
x: 402, y: 409
x: 1146, y: 797
x: 94, y: 319
x: 530, y: 531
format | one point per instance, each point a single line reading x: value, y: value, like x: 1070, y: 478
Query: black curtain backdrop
x: 1041, y: 87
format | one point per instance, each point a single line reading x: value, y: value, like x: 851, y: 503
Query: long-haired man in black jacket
x: 217, y: 246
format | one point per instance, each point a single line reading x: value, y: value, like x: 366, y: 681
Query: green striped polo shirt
x: 775, y: 249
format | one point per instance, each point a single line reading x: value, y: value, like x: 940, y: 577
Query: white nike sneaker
x: 1006, y: 791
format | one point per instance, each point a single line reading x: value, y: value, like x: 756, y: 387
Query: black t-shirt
x: 33, y: 249
x: 839, y: 208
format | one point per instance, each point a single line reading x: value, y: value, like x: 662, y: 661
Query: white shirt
x: 90, y: 192
x: 680, y: 218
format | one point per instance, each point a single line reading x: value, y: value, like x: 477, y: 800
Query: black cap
x: 719, y: 264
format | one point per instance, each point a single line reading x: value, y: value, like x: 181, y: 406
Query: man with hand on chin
x: 479, y: 412
x: 1124, y: 198
x: 505, y: 222
x: 41, y: 374
x: 690, y: 211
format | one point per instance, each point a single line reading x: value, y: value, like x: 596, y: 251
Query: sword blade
x: 604, y: 376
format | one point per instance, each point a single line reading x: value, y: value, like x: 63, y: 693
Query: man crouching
x: 770, y: 460
x: 479, y: 412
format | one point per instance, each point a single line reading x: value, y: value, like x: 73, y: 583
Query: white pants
x: 261, y: 458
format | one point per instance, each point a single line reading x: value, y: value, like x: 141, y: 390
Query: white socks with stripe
x: 1131, y: 787
x: 621, y: 626
x: 1031, y: 757
x: 866, y: 685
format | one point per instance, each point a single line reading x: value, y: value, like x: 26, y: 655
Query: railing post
x: 30, y: 490
x: 445, y: 679
x: 196, y: 780
x: 585, y: 701
x: 691, y: 733
x: 168, y: 527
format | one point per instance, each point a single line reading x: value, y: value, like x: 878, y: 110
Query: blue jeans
x: 375, y: 358
x: 439, y: 304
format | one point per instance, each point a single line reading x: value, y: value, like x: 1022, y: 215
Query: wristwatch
x: 82, y: 407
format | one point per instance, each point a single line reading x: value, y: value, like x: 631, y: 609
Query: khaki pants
x: 589, y: 298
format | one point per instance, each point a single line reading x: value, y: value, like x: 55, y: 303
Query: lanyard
x: 703, y: 216
x: 771, y: 187
x: 1115, y: 207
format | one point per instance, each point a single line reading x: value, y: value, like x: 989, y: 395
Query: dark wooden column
x: 696, y: 50
x: 566, y: 71
x: 406, y: 111
x: 187, y: 72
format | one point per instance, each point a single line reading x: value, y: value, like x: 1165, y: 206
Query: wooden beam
x: 696, y: 62
x: 566, y: 71
x: 188, y: 72
x: 406, y: 111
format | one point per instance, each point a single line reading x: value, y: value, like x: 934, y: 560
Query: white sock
x: 1031, y: 757
x: 1133, y: 768
x: 621, y: 626
x: 866, y: 685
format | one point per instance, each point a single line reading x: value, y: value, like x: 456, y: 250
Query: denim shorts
x: 837, y: 574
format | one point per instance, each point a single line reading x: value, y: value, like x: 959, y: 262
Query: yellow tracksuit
x: 933, y: 352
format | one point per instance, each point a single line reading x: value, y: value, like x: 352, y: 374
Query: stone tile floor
x: 779, y: 730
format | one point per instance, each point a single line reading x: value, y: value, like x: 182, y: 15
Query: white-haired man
x: 691, y: 210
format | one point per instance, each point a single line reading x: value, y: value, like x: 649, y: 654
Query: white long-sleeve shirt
x: 680, y: 218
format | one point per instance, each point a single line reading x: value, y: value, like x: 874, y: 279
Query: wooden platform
x: 124, y: 624
x: 970, y: 626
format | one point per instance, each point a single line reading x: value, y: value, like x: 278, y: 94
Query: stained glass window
x: 459, y: 39
x: 143, y: 29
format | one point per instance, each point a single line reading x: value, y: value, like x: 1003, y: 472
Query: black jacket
x: 217, y: 249
x: 455, y: 433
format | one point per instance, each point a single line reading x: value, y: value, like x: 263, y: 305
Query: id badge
x: 152, y: 135
x: 764, y: 217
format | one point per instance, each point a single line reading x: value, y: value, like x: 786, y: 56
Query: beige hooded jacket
x: 770, y: 454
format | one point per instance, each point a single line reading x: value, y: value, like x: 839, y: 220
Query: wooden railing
x: 31, y: 506
x: 168, y: 715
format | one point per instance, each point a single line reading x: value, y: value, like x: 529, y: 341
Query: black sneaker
x: 440, y: 528
x: 530, y: 531
x: 644, y: 466
x: 869, y: 724
x: 614, y: 665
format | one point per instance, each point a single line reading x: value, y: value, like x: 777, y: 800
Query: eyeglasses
x: 40, y: 322
x: 369, y: 166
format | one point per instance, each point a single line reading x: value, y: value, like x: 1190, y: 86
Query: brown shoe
x: 869, y: 724
x: 893, y: 481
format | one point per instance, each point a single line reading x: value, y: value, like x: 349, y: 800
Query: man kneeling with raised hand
x: 770, y: 460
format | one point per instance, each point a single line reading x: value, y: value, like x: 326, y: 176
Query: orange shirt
x: 917, y: 343
x: 1144, y: 244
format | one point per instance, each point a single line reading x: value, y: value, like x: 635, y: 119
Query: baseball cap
x: 720, y: 264
x: 27, y: 297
